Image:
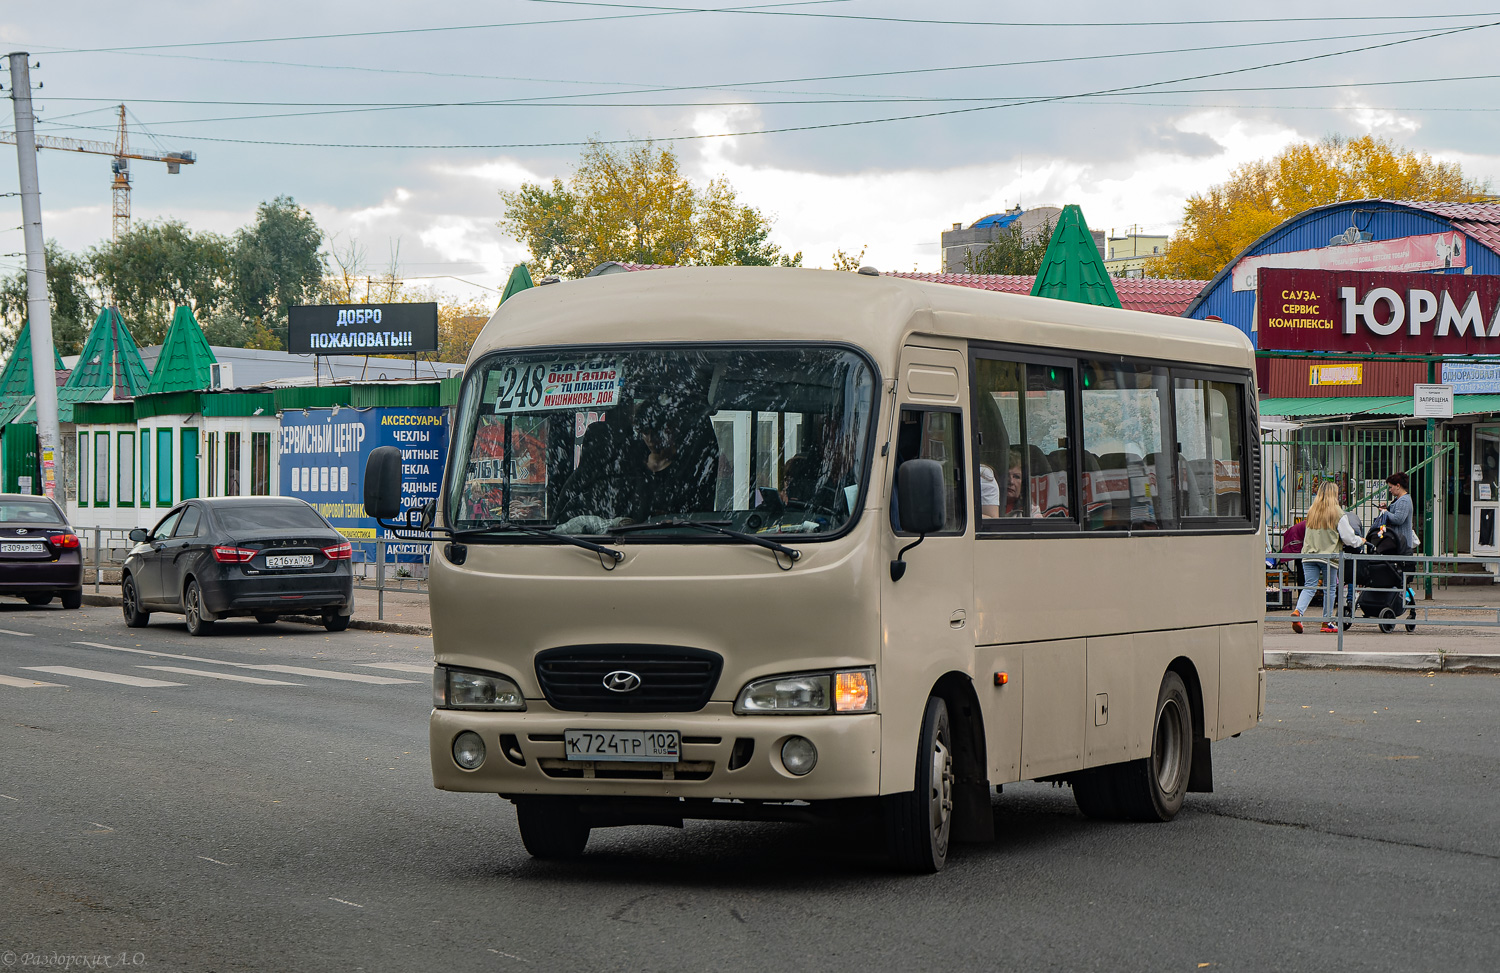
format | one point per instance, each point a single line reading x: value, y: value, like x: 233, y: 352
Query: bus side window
x: 1021, y: 415
x: 936, y: 436
x: 1210, y: 437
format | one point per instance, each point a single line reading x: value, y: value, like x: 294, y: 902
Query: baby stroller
x: 1389, y: 596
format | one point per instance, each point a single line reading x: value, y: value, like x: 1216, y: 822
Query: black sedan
x: 39, y: 553
x: 260, y: 556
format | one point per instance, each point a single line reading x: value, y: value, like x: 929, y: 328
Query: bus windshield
x: 765, y: 440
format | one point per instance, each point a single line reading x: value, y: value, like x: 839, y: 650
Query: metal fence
x: 1411, y: 615
x: 1359, y: 459
x: 378, y: 565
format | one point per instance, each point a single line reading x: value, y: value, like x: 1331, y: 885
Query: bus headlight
x: 802, y: 693
x: 459, y: 689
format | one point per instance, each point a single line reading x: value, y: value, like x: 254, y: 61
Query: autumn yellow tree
x: 1224, y: 219
x: 635, y: 206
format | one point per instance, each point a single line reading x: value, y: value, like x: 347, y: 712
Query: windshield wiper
x: 715, y: 527
x: 600, y: 549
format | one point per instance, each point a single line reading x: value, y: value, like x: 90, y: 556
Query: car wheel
x: 266, y: 619
x: 130, y: 604
x: 551, y: 829
x: 335, y: 622
x: 192, y: 607
x: 39, y: 599
x: 72, y: 599
x: 919, y: 822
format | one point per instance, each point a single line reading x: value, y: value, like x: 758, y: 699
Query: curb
x: 1408, y: 661
x: 364, y: 624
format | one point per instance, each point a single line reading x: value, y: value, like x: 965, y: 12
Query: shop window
x: 101, y: 469
x: 145, y: 467
x: 232, y: 464
x: 83, y: 468
x: 164, y: 467
x: 125, y: 487
x: 1126, y: 467
x: 213, y: 464
x: 260, y: 464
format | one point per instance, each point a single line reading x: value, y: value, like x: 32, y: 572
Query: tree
x: 635, y: 207
x: 276, y: 263
x: 459, y: 324
x: 148, y: 272
x: 74, y: 307
x: 1013, y: 252
x: 1226, y: 218
x: 849, y: 261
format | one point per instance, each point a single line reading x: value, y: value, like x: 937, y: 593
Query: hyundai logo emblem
x: 621, y: 681
x: 20, y: 530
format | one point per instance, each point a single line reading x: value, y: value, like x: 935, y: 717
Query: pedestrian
x: 1322, y: 538
x: 1352, y: 535
x: 1399, y: 514
x: 1291, y: 543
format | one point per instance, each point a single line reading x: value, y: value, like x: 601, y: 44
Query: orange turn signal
x: 1001, y: 678
x: 851, y: 691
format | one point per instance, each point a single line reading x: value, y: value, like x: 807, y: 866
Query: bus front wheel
x: 1152, y: 788
x: 919, y: 822
x: 551, y: 829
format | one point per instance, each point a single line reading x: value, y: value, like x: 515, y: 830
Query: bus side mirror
x: 383, y: 483
x: 921, y: 508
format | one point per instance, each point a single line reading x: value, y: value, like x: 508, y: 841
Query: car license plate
x: 21, y: 548
x: 289, y: 560
x: 660, y: 746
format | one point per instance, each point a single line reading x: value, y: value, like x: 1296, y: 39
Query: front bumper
x: 848, y: 755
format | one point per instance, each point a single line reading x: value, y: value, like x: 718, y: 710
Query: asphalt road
x: 291, y: 825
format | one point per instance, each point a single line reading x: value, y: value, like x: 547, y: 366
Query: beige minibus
x: 784, y: 544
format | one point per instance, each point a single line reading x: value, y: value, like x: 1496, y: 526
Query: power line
x: 1008, y: 101
x: 743, y: 85
x: 412, y: 30
x: 999, y: 23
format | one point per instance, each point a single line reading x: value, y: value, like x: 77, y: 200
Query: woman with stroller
x: 1322, y: 538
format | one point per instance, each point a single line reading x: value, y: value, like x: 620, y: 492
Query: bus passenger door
x: 925, y: 617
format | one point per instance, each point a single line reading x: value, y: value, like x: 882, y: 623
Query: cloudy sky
x: 396, y: 124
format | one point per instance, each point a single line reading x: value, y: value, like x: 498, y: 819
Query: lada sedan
x: 39, y: 553
x: 237, y: 556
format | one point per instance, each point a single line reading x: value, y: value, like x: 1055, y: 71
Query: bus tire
x: 919, y: 823
x: 551, y: 830
x: 1152, y: 788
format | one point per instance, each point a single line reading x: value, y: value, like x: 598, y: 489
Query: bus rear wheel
x: 550, y: 829
x: 1152, y: 788
x: 919, y: 823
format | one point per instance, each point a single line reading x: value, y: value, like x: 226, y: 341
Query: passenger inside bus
x: 678, y: 473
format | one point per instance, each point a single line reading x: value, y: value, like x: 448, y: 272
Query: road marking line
x: 120, y: 678
x: 6, y: 631
x: 328, y: 674
x: 103, y: 828
x: 216, y: 861
x: 9, y: 798
x: 24, y: 683
x: 160, y: 655
x: 221, y: 675
x: 399, y: 667
x: 347, y: 902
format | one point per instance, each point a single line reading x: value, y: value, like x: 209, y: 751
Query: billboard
x: 1433, y: 251
x: 323, y: 454
x: 362, y: 329
x: 1412, y: 314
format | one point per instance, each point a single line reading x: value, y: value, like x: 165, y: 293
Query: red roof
x: 1157, y: 295
x: 1481, y: 221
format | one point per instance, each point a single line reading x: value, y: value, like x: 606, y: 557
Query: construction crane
x: 119, y: 164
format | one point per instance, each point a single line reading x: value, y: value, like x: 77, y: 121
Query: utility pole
x: 38, y: 304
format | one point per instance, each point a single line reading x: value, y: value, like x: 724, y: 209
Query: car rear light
x: 64, y: 540
x: 233, y: 555
x: 339, y: 552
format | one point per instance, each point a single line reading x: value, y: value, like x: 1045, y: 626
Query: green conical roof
x: 520, y: 279
x: 16, y: 378
x: 1073, y: 270
x: 110, y: 359
x: 185, y: 356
